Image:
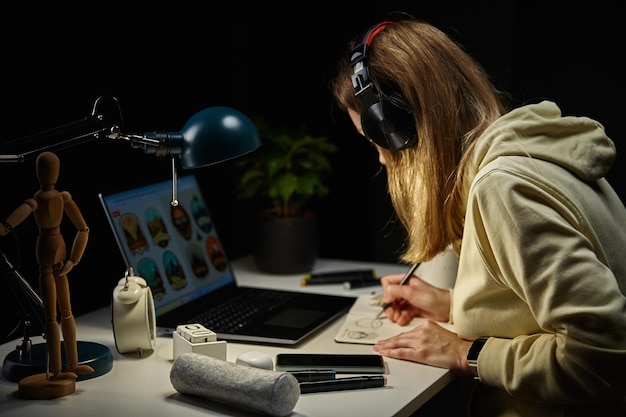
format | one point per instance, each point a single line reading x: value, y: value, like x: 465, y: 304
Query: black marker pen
x: 314, y: 375
x: 357, y: 382
x: 338, y: 277
x: 352, y: 285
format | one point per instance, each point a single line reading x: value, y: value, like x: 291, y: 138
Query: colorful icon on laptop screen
x: 135, y: 237
x: 156, y: 227
x: 181, y: 221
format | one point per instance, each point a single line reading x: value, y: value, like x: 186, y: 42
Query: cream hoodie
x: 542, y: 267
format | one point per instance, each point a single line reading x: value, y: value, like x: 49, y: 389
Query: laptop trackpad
x: 293, y: 317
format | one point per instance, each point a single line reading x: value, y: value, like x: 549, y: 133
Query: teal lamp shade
x: 212, y: 135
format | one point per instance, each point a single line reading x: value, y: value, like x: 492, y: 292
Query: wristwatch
x: 472, y: 354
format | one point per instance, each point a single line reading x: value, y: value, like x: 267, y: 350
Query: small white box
x: 198, y: 339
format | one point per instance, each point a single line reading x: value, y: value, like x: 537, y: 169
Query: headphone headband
x: 358, y: 57
x: 386, y: 118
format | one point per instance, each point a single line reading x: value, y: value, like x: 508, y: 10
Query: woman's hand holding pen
x: 428, y: 343
x: 415, y: 298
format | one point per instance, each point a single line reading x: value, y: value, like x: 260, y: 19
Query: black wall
x: 166, y: 62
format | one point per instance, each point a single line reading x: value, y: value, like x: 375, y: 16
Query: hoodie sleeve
x: 534, y: 274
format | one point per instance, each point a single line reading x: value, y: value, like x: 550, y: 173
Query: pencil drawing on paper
x: 354, y: 335
x: 364, y: 329
x: 362, y: 326
x: 368, y: 323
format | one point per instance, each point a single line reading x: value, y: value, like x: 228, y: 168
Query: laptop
x: 177, y: 250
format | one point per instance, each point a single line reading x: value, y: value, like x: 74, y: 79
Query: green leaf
x: 290, y: 168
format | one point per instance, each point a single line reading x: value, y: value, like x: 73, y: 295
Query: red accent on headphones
x: 374, y: 31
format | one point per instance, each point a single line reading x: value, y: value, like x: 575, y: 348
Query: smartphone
x: 340, y: 363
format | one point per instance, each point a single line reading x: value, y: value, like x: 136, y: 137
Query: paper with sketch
x: 361, y: 325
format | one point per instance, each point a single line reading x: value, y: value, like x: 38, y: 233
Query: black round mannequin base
x: 97, y: 356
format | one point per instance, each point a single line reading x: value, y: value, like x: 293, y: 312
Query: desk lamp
x: 212, y: 135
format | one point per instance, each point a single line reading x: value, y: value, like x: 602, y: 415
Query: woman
x: 538, y: 305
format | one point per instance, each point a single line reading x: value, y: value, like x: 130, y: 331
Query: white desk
x: 141, y: 386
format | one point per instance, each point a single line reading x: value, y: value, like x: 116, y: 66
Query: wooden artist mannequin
x: 48, y: 207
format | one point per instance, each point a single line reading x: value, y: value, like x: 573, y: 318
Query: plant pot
x: 286, y: 245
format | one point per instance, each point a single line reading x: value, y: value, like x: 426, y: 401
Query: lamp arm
x: 31, y: 305
x: 159, y: 144
x: 211, y: 135
x: 156, y: 143
x: 85, y: 130
x: 90, y: 128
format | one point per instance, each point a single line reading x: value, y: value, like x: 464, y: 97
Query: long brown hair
x: 453, y: 102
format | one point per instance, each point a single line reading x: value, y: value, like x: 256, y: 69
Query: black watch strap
x: 472, y: 354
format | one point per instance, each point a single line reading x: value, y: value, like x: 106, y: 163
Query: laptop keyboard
x: 243, y: 310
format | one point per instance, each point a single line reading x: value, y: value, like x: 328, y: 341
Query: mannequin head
x: 48, y: 166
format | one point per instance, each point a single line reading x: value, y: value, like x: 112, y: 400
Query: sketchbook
x: 362, y: 327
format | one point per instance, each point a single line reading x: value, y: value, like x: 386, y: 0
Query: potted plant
x: 285, y: 176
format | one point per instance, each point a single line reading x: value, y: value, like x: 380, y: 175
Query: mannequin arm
x: 80, y: 241
x: 18, y: 216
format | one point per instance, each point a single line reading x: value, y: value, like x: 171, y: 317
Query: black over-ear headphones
x: 386, y: 117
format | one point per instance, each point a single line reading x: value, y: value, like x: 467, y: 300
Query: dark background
x: 164, y: 63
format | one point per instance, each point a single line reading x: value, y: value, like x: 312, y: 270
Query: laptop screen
x: 175, y: 248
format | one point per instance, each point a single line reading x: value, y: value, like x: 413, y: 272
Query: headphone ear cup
x: 389, y: 125
x: 129, y: 291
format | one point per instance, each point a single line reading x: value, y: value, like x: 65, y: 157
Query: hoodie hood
x: 539, y: 131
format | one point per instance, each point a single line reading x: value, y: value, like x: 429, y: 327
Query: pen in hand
x: 405, y: 280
